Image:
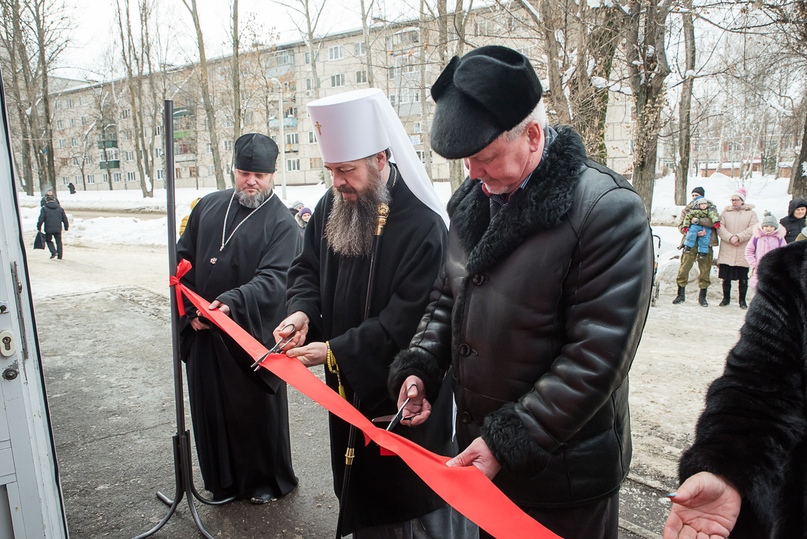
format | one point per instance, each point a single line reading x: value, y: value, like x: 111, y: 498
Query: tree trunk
x: 206, y: 100
x: 798, y: 178
x: 236, y: 76
x: 685, y: 107
x: 366, y: 18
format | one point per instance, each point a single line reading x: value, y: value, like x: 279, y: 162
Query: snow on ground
x: 764, y: 192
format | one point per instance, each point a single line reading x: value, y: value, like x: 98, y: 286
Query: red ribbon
x: 466, y: 489
x: 173, y: 280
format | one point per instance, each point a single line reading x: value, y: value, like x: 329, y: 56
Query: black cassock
x: 240, y: 419
x: 331, y: 290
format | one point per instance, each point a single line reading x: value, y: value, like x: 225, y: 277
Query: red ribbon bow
x: 174, y: 280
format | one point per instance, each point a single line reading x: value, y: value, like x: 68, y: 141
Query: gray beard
x: 251, y: 201
x: 351, y: 224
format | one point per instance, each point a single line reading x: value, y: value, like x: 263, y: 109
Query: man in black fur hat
x: 241, y: 243
x: 540, y: 304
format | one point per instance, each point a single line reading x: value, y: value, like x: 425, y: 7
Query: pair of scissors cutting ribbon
x: 398, y: 417
x: 277, y: 347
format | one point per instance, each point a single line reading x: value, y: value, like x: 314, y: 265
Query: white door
x: 30, y: 495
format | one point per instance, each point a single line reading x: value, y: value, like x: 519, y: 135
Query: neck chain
x: 226, y: 215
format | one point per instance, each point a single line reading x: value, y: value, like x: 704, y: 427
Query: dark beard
x: 251, y: 201
x: 351, y: 224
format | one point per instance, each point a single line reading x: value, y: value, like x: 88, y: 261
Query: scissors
x: 398, y: 416
x: 277, y: 347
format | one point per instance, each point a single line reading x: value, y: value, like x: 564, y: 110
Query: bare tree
x: 206, y: 97
x: 236, y: 68
x: 311, y: 13
x: 685, y: 105
x: 647, y: 64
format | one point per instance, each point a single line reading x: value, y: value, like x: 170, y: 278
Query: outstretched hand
x: 705, y: 506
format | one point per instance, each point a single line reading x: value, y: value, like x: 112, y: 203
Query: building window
x: 69, y: 103
x: 358, y: 48
x: 361, y: 77
x: 116, y: 176
x: 292, y: 138
x: 158, y: 130
x: 84, y: 120
x: 211, y: 171
x: 159, y: 174
x: 64, y: 161
x: 105, y: 178
x: 335, y: 53
x: 72, y: 122
x: 65, y: 180
x: 77, y: 179
x: 393, y: 99
x: 125, y: 113
x: 75, y: 162
x: 316, y: 162
x: 417, y: 128
x: 292, y: 165
x: 178, y: 172
x: 130, y: 176
x: 308, y: 85
x: 228, y: 145
x: 291, y: 112
x: 337, y: 80
x: 90, y: 178
x: 59, y: 124
x: 421, y: 156
x: 284, y: 57
x: 307, y: 57
x: 62, y: 143
x: 248, y: 117
x: 192, y: 172
x: 312, y: 138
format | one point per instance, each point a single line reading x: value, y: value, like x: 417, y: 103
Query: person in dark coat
x: 794, y: 222
x: 48, y: 193
x: 744, y: 475
x: 53, y: 217
x: 537, y: 312
x: 327, y: 298
x: 71, y: 188
x: 240, y: 242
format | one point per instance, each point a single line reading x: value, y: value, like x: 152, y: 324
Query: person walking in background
x: 744, y: 475
x: 739, y: 221
x: 701, y: 208
x: 767, y: 237
x: 241, y: 242
x: 795, y: 220
x: 688, y: 258
x: 53, y: 217
x: 71, y: 188
x: 530, y: 282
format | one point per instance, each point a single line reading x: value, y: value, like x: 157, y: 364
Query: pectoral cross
x: 319, y: 128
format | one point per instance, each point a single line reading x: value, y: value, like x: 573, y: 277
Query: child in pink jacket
x: 767, y: 237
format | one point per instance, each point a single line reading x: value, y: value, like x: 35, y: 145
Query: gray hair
x: 538, y: 114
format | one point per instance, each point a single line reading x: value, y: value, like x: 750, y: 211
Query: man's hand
x: 220, y: 306
x: 705, y: 506
x: 300, y: 321
x: 197, y: 324
x: 478, y: 454
x: 418, y: 409
x: 310, y: 355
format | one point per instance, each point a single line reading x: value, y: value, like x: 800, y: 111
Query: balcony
x: 108, y: 143
x: 110, y: 164
x: 289, y: 121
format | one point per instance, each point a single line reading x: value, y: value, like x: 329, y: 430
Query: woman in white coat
x: 738, y: 222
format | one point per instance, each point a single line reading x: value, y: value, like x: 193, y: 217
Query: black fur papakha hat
x: 479, y: 96
x: 255, y: 153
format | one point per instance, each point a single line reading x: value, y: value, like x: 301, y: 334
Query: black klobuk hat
x: 488, y: 91
x: 255, y: 153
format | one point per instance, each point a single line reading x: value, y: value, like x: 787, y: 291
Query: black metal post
x: 183, y: 470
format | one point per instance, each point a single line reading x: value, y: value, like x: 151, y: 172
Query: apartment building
x: 94, y: 125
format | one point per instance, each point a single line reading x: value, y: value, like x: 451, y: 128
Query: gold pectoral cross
x: 319, y: 128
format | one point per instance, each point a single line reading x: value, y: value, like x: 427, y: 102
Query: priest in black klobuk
x: 355, y: 340
x: 240, y: 242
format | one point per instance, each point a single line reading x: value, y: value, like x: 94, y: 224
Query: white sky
x: 95, y: 26
x: 764, y: 193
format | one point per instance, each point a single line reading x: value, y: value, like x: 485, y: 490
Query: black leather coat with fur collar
x: 539, y: 313
x: 753, y: 430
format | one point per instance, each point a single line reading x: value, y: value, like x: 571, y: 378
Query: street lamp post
x: 282, y: 140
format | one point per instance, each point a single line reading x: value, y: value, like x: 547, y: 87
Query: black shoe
x: 687, y: 248
x: 702, y: 298
x: 52, y: 257
x: 743, y: 305
x: 261, y: 499
x: 681, y: 297
x: 724, y: 302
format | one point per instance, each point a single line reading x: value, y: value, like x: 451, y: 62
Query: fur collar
x: 546, y: 199
x: 744, y: 207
